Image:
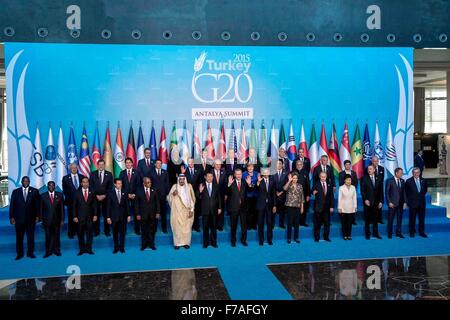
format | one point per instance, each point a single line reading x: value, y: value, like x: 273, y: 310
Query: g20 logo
x: 231, y: 85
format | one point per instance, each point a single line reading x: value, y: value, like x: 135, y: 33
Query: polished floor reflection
x: 411, y: 278
x: 182, y: 284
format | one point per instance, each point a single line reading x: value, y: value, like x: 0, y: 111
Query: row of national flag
x: 53, y: 162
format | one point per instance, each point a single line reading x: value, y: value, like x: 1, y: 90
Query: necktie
x: 376, y: 171
x: 25, y: 194
x: 324, y: 187
x: 85, y: 195
x: 267, y: 185
x: 147, y: 194
x: 239, y: 185
x: 399, y: 183
x: 418, y: 184
x: 75, y: 181
x: 118, y: 195
x: 279, y: 175
x: 323, y: 169
x: 101, y: 177
x: 373, y: 180
x: 209, y: 189
x: 192, y: 172
x: 159, y: 172
x: 147, y: 163
x: 217, y: 176
x: 51, y: 198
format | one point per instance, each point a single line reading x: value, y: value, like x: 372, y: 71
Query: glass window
x: 435, y: 110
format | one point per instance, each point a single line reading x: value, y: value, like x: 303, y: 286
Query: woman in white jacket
x: 347, y: 206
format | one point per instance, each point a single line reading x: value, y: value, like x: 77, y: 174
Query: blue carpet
x: 243, y: 269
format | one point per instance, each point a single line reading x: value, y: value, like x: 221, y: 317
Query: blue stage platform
x: 243, y: 269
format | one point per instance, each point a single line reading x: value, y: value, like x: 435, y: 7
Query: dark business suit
x: 52, y: 215
x: 303, y: 179
x: 416, y: 203
x: 85, y: 211
x: 306, y: 163
x: 147, y: 209
x: 193, y: 177
x: 173, y: 171
x: 144, y: 169
x: 379, y: 173
x: 237, y: 207
x: 118, y: 212
x: 395, y: 194
x: 322, y: 205
x: 69, y: 190
x: 24, y: 212
x: 204, y: 168
x: 209, y: 206
x: 280, y: 180
x: 329, y: 172
x: 230, y: 166
x: 99, y: 188
x: 129, y: 186
x: 373, y: 193
x: 342, y: 175
x: 266, y: 201
x: 222, y: 184
x: 419, y: 162
x: 161, y: 183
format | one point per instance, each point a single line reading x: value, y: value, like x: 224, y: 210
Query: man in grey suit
x: 395, y: 198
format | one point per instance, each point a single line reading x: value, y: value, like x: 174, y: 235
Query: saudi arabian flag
x: 119, y: 161
x: 263, y: 145
x: 174, y: 153
x: 253, y: 143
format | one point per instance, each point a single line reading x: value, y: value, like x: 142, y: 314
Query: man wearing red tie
x: 145, y: 165
x: 323, y: 206
x: 52, y: 217
x: 131, y: 181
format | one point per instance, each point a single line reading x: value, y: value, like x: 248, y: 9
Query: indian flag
x: 119, y: 161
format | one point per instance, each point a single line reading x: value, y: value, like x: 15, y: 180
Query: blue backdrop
x: 76, y: 83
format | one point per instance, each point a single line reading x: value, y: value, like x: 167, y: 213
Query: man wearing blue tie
x: 416, y: 189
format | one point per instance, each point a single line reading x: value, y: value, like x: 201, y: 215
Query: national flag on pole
x: 140, y: 144
x: 153, y: 151
x: 253, y: 141
x: 377, y: 146
x: 292, y: 149
x: 61, y: 162
x: 163, y: 148
x: 222, y: 151
x: 50, y: 159
x: 107, y: 151
x: 173, y: 150
x: 273, y: 148
x: 197, y: 147
x: 131, y: 151
x: 313, y: 149
x: 209, y: 146
x: 119, y: 159
x: 95, y: 156
x: 323, y: 145
x: 367, y: 149
x: 37, y: 166
x: 262, y: 154
x: 390, y: 153
x: 243, y: 151
x: 85, y: 160
x: 184, y: 146
x: 72, y: 155
x: 282, y: 138
x: 234, y: 139
x: 357, y: 154
x: 302, y: 143
x: 344, y: 150
x: 333, y: 153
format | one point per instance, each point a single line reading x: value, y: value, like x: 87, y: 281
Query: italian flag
x: 313, y: 149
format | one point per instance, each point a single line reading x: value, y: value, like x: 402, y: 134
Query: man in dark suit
x: 193, y: 177
x: 231, y: 163
x: 282, y: 156
x: 303, y: 179
x: 220, y: 180
x: 379, y: 173
x: 416, y: 188
x: 211, y: 207
x: 160, y: 181
x: 395, y: 198
x: 52, y: 217
x: 118, y: 215
x: 147, y: 210
x: 266, y: 205
x: 204, y: 165
x: 323, y: 206
x: 348, y: 170
x: 236, y: 204
x: 419, y: 162
x: 131, y: 180
x: 84, y: 215
x: 280, y: 178
x: 101, y: 182
x: 145, y: 165
x: 305, y: 160
x: 372, y: 196
x: 71, y: 183
x: 324, y: 167
x: 23, y: 214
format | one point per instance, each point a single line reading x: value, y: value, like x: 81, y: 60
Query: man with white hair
x: 379, y: 174
x: 181, y: 200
